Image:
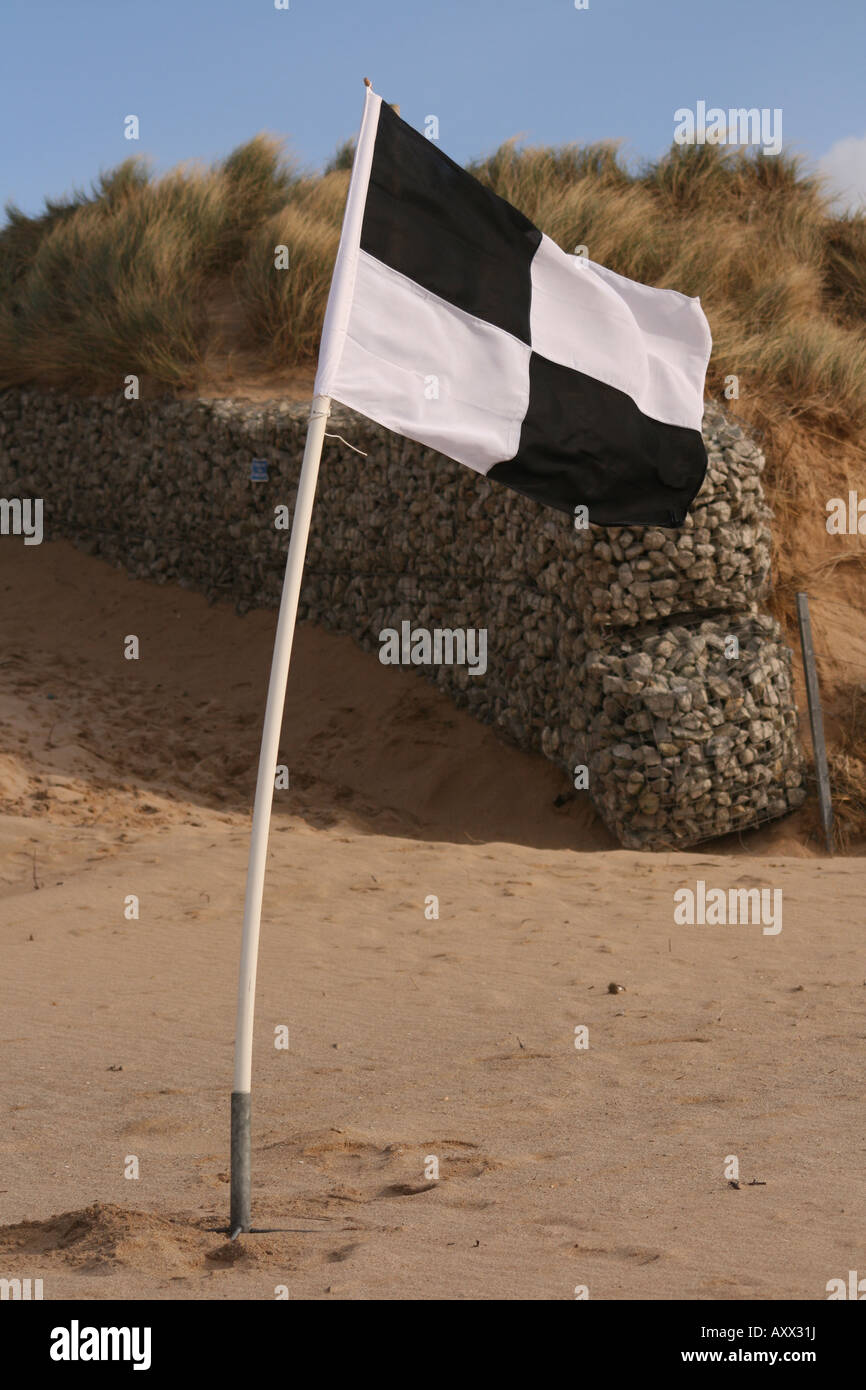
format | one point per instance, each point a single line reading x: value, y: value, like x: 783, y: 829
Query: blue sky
x: 205, y: 75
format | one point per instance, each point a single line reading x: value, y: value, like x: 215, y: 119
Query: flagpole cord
x: 354, y: 447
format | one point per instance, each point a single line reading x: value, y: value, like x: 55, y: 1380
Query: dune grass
x: 284, y: 308
x: 117, y: 280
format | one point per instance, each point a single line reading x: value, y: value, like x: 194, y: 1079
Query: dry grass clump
x: 118, y: 280
x: 848, y: 788
x: 285, y: 307
x: 847, y: 767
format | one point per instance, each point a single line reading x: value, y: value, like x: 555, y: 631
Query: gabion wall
x: 720, y: 558
x: 605, y: 647
x: 684, y: 741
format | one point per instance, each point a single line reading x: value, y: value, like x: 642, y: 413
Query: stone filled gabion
x: 686, y: 743
x: 164, y: 489
x: 719, y: 559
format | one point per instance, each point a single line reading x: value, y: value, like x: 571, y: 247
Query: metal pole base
x: 239, y: 1219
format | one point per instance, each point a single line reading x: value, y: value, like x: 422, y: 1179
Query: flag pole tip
x: 367, y: 82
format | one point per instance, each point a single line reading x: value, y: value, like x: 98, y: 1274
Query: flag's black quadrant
x: 585, y: 442
x: 436, y: 224
x: 453, y: 320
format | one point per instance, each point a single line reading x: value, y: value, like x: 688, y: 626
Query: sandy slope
x: 409, y: 1037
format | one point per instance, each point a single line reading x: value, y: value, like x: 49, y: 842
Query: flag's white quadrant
x: 678, y: 344
x: 652, y: 344
x: 454, y: 320
x: 431, y: 371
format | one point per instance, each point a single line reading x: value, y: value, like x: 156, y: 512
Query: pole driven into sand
x: 240, y: 1109
x: 816, y: 719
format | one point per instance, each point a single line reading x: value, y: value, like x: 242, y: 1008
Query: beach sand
x: 410, y: 1038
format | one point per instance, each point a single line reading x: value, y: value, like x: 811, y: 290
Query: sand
x: 410, y: 1038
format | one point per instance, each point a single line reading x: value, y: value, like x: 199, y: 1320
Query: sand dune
x: 410, y: 1039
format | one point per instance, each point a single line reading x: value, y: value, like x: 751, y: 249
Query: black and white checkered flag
x: 455, y: 321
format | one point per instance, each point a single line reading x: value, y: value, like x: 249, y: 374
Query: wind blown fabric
x: 454, y: 321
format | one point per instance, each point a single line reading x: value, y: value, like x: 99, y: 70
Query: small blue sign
x: 259, y: 471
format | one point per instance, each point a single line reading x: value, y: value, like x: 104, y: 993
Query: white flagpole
x: 333, y: 335
x: 240, y: 1109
